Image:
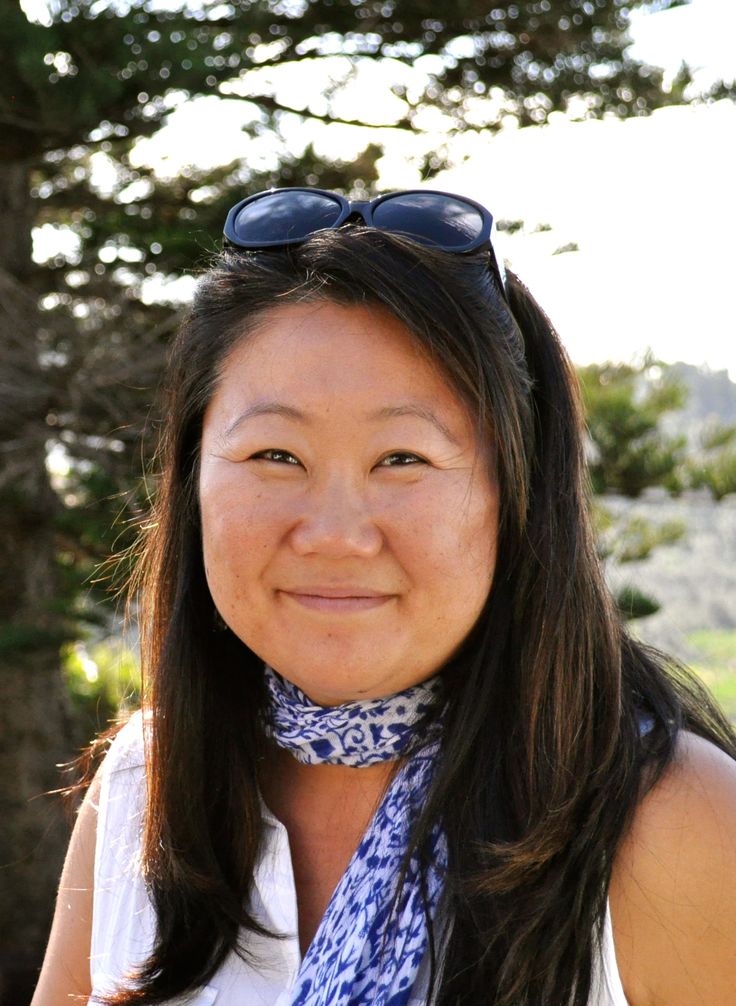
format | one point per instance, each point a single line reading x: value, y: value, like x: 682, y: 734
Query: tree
x: 624, y: 404
x: 81, y: 336
x: 715, y: 466
x: 628, y: 453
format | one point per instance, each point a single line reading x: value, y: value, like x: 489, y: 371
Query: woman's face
x: 349, y: 519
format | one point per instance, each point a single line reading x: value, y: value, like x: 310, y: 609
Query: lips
x: 344, y: 598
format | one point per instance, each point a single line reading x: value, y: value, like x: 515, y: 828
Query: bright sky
x: 649, y: 202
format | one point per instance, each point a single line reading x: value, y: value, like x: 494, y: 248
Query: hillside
x: 711, y: 396
x: 694, y: 580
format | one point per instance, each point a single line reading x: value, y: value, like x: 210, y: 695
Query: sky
x: 648, y: 203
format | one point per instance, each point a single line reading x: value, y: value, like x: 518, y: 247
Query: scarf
x: 370, y: 943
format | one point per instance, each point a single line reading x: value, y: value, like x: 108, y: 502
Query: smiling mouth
x: 334, y: 601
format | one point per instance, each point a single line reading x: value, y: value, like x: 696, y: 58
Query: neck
x: 291, y: 789
x: 326, y: 810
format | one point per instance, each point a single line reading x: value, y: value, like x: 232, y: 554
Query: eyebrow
x: 267, y: 409
x: 416, y: 409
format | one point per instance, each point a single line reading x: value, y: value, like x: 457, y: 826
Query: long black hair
x: 544, y: 759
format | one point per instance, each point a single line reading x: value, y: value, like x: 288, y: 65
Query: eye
x: 276, y: 454
x: 400, y: 459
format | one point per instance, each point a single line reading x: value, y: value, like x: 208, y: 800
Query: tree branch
x: 270, y: 104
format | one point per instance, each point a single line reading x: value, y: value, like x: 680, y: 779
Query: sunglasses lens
x: 286, y: 216
x: 432, y: 218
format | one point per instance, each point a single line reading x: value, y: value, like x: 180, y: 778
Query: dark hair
x: 543, y: 762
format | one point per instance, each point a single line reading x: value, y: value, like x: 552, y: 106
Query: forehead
x: 324, y: 354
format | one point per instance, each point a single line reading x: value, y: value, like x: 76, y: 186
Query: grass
x: 717, y: 664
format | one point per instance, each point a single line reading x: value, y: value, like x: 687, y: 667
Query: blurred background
x: 599, y: 133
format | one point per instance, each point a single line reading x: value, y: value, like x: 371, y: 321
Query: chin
x: 325, y: 689
x: 328, y: 683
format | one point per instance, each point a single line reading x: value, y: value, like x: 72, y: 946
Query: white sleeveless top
x: 123, y: 921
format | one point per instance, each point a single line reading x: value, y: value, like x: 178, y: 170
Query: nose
x: 336, y: 523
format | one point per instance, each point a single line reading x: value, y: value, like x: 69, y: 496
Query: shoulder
x: 111, y: 802
x: 66, y: 969
x: 673, y: 888
x: 123, y: 785
x: 122, y: 798
x: 127, y: 749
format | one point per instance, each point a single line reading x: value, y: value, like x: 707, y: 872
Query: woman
x: 399, y: 747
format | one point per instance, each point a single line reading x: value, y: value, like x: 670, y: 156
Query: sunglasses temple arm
x: 499, y: 265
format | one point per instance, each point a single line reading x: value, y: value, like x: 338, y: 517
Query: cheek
x: 453, y: 546
x: 465, y: 525
x: 236, y: 532
x: 233, y: 507
x: 478, y: 556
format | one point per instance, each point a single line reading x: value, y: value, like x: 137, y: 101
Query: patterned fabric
x: 356, y: 733
x: 371, y: 942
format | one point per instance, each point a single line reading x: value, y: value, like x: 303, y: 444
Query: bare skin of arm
x: 65, y: 975
x: 673, y: 889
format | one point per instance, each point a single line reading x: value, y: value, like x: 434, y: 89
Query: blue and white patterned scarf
x: 369, y: 945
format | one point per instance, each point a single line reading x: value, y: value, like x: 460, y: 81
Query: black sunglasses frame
x: 365, y: 209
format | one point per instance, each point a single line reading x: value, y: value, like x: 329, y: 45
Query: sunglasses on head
x: 441, y: 220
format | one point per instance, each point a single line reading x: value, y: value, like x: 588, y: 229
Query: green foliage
x: 718, y: 435
x: 634, y: 603
x: 103, y: 679
x: 624, y: 404
x: 628, y: 453
x: 17, y: 637
x: 714, y: 468
x: 717, y: 646
x: 631, y: 539
x: 98, y: 520
x: 115, y: 68
x: 716, y: 664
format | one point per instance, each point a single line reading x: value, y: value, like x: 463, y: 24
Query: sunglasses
x: 281, y: 217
